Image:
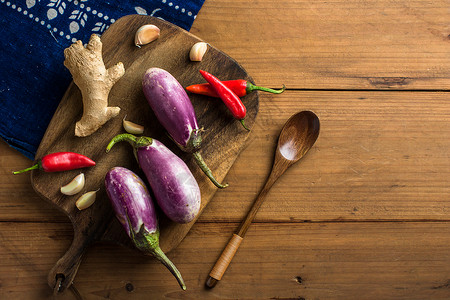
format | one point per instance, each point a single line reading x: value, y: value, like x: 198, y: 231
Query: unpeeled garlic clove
x: 86, y: 200
x: 132, y: 128
x: 146, y: 34
x: 197, y: 51
x: 75, y: 186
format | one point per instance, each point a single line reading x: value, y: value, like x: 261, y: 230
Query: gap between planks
x: 365, y: 90
x: 266, y: 222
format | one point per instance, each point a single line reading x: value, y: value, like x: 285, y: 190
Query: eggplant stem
x: 161, y: 256
x: 134, y: 141
x: 201, y: 163
x: 120, y: 138
x: 35, y: 167
x: 149, y: 243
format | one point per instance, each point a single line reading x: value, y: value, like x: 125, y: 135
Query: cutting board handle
x: 62, y: 274
x: 224, y: 135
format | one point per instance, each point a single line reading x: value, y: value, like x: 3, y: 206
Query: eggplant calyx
x: 194, y: 142
x: 204, y: 167
x: 143, y: 141
x: 143, y: 240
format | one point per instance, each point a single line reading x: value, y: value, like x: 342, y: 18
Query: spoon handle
x: 257, y: 204
x: 230, y: 249
x: 296, y: 138
x: 224, y: 261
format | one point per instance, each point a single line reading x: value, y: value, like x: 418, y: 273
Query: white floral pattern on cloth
x: 79, y: 12
x: 33, y: 78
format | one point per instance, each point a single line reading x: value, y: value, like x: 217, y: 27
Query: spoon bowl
x: 297, y: 137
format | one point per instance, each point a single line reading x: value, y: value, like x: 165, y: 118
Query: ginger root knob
x: 94, y: 81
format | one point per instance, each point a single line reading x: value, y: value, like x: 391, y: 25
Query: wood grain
x: 296, y: 138
x: 374, y: 160
x: 334, y: 44
x: 222, y: 140
x: 365, y: 216
x: 369, y: 260
x: 379, y: 156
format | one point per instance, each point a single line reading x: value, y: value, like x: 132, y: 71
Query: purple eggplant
x: 135, y: 211
x: 173, y: 108
x: 170, y: 179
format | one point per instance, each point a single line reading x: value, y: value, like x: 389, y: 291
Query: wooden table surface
x: 365, y: 215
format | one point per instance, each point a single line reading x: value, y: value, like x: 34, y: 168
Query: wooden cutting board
x: 223, y: 138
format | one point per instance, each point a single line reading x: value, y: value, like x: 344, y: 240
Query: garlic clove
x: 132, y: 128
x: 75, y: 186
x: 86, y: 200
x: 146, y: 34
x: 197, y: 51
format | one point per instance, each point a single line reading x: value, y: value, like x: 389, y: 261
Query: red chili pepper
x: 240, y: 87
x: 231, y: 100
x: 60, y: 161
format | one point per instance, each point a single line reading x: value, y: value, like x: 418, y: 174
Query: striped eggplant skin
x: 131, y: 201
x: 172, y: 107
x: 135, y: 210
x: 173, y: 185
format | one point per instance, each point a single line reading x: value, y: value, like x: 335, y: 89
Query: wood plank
x: 312, y: 261
x: 333, y: 44
x: 221, y: 141
x: 18, y: 200
x: 380, y: 155
x: 375, y: 160
x: 27, y: 253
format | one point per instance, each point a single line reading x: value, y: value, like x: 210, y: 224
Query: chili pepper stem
x: 252, y: 87
x: 201, y: 163
x: 243, y: 124
x: 35, y: 167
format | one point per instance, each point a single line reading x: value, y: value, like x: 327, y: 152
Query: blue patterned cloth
x: 34, y: 34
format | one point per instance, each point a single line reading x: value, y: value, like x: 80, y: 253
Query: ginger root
x: 94, y: 81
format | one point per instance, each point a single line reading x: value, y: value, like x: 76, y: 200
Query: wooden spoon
x: 296, y: 138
